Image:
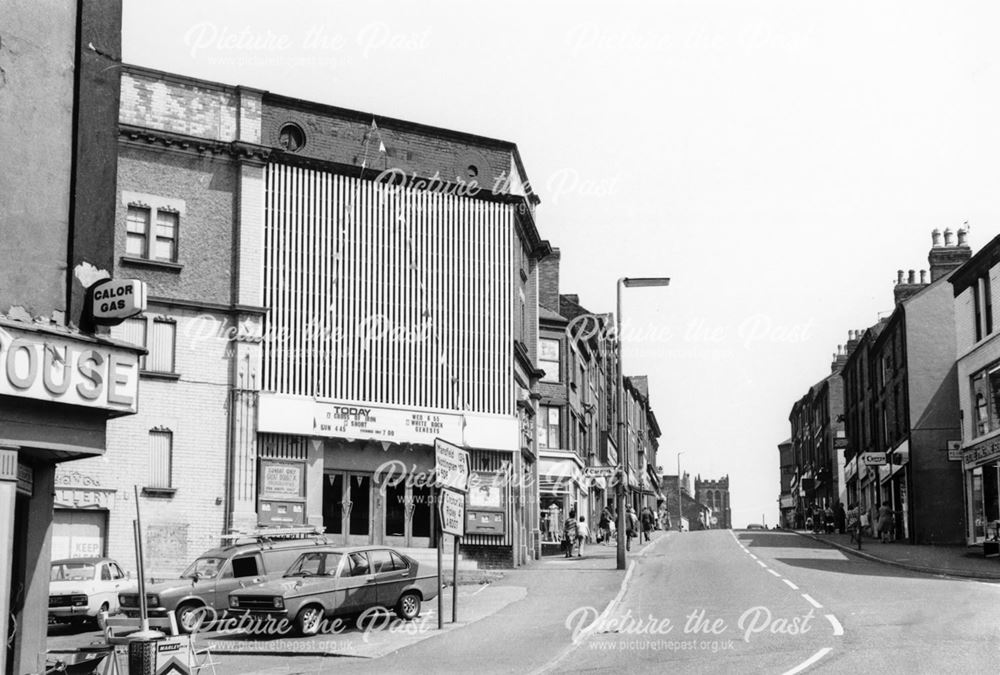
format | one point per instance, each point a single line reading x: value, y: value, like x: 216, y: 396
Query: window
x: 398, y: 562
x: 291, y: 137
x: 986, y: 400
x: 548, y: 359
x: 161, y: 447
x: 158, y: 335
x: 144, y: 241
x: 357, y: 564
x: 137, y: 232
x: 381, y: 561
x: 983, y: 301
x: 548, y: 427
x: 245, y: 566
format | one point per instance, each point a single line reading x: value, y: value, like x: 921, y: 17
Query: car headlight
x: 80, y: 600
x: 234, y: 601
x: 279, y: 603
x: 152, y: 601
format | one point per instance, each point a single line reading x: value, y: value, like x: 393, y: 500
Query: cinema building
x: 382, y: 293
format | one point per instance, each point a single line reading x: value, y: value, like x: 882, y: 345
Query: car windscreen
x: 203, y: 568
x: 314, y: 564
x: 72, y: 572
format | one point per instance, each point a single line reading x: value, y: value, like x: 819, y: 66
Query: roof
x: 84, y: 561
x: 547, y: 314
x: 988, y: 256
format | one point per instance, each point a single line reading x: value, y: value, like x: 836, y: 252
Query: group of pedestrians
x: 576, y: 531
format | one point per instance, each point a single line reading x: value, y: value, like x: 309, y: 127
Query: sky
x: 779, y: 161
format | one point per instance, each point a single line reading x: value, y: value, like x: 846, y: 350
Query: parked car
x: 756, y: 526
x: 331, y: 581
x: 81, y: 588
x: 208, y: 580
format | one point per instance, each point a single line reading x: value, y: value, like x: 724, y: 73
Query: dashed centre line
x: 791, y: 585
x: 774, y: 573
x: 812, y: 602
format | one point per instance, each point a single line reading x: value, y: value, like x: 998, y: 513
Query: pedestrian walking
x: 886, y: 524
x: 631, y: 527
x: 829, y: 521
x: 570, y: 532
x: 582, y: 533
x: 647, y: 522
x: 854, y: 522
x: 840, y: 516
x: 604, y: 526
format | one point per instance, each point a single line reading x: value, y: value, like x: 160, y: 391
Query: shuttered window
x: 134, y: 331
x: 161, y: 447
x: 161, y: 346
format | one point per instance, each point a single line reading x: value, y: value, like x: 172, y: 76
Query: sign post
x: 873, y: 458
x: 451, y: 470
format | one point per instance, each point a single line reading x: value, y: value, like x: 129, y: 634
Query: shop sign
x: 954, y: 451
x: 114, y: 300
x: 82, y: 498
x: 51, y: 368
x: 281, y: 480
x: 600, y: 471
x: 981, y: 453
x: 452, y: 508
x: 344, y: 420
x: 873, y: 458
x: 787, y: 501
x: 451, y: 466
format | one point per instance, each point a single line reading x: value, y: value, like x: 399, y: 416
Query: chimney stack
x: 548, y: 281
x: 935, y: 237
x: 923, y: 277
x: 944, y: 259
x: 899, y: 277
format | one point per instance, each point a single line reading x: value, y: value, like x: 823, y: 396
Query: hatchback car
x: 207, y: 581
x: 331, y: 581
x: 81, y: 588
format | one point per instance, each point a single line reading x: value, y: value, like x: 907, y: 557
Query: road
x: 776, y: 602
x: 694, y: 602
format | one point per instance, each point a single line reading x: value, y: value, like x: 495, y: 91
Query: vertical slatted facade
x: 385, y: 295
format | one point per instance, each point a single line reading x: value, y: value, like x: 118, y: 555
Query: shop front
x: 981, y: 466
x: 366, y: 473
x: 560, y: 491
x: 58, y: 388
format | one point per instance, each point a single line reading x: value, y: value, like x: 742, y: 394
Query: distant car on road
x: 329, y: 581
x: 756, y: 526
x: 81, y: 588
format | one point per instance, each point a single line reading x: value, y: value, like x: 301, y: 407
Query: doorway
x: 347, y: 507
x: 407, y: 515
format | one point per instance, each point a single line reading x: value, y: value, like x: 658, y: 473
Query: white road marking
x: 753, y: 556
x: 585, y: 633
x: 791, y: 585
x: 775, y: 573
x: 837, y: 628
x: 808, y: 662
x: 761, y: 563
x: 811, y: 601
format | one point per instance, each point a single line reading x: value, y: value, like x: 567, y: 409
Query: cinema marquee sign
x: 47, y: 367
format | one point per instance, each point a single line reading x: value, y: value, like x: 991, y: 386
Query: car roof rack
x: 272, y: 534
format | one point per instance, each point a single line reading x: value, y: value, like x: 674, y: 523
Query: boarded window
x: 161, y: 446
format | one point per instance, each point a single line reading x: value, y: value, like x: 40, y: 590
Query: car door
x: 239, y: 572
x: 391, y: 575
x: 118, y: 584
x: 356, y: 588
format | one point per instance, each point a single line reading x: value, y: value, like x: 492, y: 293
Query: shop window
x: 161, y: 449
x: 982, y: 297
x: 986, y: 400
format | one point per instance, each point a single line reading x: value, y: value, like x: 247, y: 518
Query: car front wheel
x: 408, y: 607
x: 187, y: 617
x: 308, y: 620
x: 101, y: 616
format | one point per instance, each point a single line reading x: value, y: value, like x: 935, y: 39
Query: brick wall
x: 194, y: 409
x: 548, y: 281
x: 341, y: 136
x: 207, y: 187
x: 489, y: 557
x: 179, y: 105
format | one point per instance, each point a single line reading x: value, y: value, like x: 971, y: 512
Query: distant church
x: 715, y: 495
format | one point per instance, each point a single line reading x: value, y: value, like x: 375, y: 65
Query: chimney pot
x: 947, y: 237
x: 935, y: 237
x: 962, y: 234
x: 911, y: 277
x: 899, y: 277
x: 923, y: 277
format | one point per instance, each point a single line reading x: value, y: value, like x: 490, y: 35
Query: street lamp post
x: 680, y: 496
x: 641, y: 282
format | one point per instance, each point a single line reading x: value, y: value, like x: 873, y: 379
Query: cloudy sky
x: 778, y: 160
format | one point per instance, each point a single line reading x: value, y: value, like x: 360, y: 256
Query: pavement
x: 954, y: 561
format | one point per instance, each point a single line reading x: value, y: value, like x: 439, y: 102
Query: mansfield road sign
x: 451, y: 466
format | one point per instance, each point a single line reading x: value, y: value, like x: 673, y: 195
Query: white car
x: 81, y: 588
